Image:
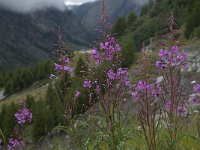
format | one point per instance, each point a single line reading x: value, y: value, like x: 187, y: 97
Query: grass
x: 37, y: 90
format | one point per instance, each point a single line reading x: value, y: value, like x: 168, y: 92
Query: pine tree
x: 128, y: 51
x: 54, y: 105
x: 9, y: 122
x: 42, y: 121
x: 192, y: 22
x: 120, y: 26
x: 2, y: 115
x: 131, y: 18
x: 8, y: 89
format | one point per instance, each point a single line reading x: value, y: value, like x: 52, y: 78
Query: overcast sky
x: 31, y: 5
x: 77, y: 2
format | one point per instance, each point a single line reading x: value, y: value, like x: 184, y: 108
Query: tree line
x: 23, y: 77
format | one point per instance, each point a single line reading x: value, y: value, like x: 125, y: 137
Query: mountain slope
x: 89, y: 13
x: 27, y: 38
x: 154, y: 19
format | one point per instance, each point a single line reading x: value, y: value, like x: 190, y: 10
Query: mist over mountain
x: 25, y: 6
x: 89, y: 13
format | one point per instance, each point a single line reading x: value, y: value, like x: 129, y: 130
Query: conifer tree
x: 120, y: 26
x: 9, y: 121
x: 131, y: 18
x: 128, y: 51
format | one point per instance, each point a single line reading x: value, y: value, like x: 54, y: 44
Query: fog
x: 25, y: 6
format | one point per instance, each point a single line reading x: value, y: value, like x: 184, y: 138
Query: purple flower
x: 106, y: 44
x: 66, y: 60
x: 102, y: 46
x: 135, y: 94
x: 141, y: 85
x: 97, y: 89
x: 78, y: 94
x: 121, y: 73
x: 168, y: 106
x: 87, y: 84
x: 111, y: 39
x: 95, y: 55
x: 175, y: 49
x: 108, y: 55
x: 127, y: 84
x: 14, y: 143
x: 195, y: 100
x: 164, y: 54
x: 196, y: 88
x: 160, y: 65
x: 23, y: 115
x: 67, y: 69
x: 117, y: 48
x: 58, y: 67
x: 181, y: 109
x: 173, y: 57
x: 109, y: 47
x: 155, y: 93
x: 159, y: 88
x: 111, y: 74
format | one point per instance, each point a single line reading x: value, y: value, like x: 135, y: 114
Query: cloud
x: 25, y: 6
x: 31, y: 5
x: 77, y: 2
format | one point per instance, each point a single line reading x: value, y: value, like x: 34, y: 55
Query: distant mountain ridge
x: 89, y: 13
x: 27, y: 38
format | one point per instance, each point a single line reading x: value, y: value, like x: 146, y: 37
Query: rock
x: 198, y: 70
x: 189, y: 69
x: 159, y: 79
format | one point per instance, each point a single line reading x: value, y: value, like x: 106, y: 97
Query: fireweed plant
x: 195, y: 100
x: 173, y: 100
x: 62, y: 71
x: 108, y: 86
x: 146, y: 95
x: 16, y: 140
x: 165, y: 101
x: 112, y: 89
